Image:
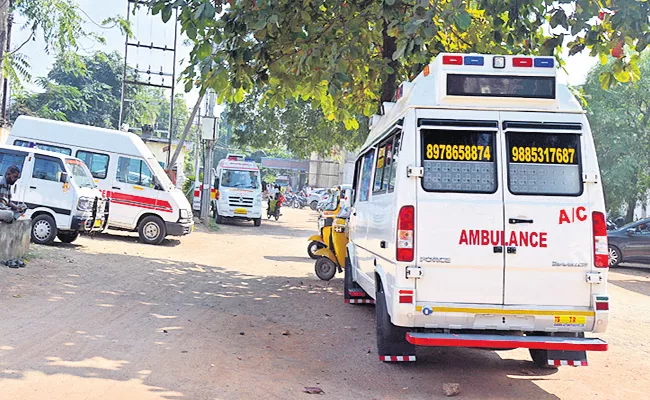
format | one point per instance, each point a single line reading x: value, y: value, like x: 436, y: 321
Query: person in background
x: 9, y: 211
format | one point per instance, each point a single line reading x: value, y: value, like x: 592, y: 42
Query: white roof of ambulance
x: 83, y: 136
x: 38, y: 151
x: 429, y: 92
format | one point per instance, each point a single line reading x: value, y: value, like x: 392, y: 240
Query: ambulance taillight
x: 405, y: 233
x: 601, y: 254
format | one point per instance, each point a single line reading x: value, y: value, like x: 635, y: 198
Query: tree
x: 58, y: 22
x: 346, y: 56
x: 620, y: 121
x: 297, y: 127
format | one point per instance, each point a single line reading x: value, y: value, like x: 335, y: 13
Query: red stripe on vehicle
x: 139, y: 201
x: 504, y: 344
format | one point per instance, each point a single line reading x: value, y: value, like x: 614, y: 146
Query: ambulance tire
x: 313, y: 247
x: 540, y: 358
x: 391, y: 339
x: 347, y: 279
x: 257, y: 221
x: 152, y: 230
x: 43, y: 229
x: 67, y: 237
x: 218, y: 218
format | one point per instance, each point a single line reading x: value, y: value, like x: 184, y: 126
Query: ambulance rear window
x: 459, y: 161
x: 544, y: 164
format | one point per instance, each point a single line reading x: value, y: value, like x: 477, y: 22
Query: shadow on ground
x: 634, y: 278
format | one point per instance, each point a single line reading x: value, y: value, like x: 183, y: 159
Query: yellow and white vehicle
x: 239, y: 190
x: 478, y: 217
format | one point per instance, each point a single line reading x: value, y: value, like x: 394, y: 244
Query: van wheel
x: 43, y: 229
x: 325, y: 268
x: 218, y: 219
x: 313, y: 205
x: 615, y: 256
x: 347, y: 279
x: 391, y: 339
x: 152, y: 230
x: 540, y: 359
x: 257, y: 221
x: 313, y: 247
x: 68, y: 237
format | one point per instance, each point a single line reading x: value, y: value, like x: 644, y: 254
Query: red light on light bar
x: 522, y: 62
x: 453, y: 60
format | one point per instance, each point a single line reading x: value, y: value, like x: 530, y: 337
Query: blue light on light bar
x: 545, y: 62
x: 472, y: 60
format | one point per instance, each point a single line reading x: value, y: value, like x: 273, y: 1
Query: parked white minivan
x: 239, y: 190
x: 61, y: 198
x: 479, y: 217
x: 142, y: 197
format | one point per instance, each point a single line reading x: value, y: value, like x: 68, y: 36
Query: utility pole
x: 209, y: 139
x: 6, y: 20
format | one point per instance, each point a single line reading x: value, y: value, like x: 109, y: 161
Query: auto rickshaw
x: 332, y: 258
x: 325, y: 221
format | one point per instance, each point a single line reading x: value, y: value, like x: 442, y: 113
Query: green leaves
x: 167, y: 13
x: 462, y: 21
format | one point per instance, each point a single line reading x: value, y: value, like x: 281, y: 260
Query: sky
x: 149, y: 28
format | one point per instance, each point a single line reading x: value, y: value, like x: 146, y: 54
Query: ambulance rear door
x: 459, y: 210
x: 548, y: 222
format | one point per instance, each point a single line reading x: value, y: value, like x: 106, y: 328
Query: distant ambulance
x: 238, y: 190
x: 479, y: 217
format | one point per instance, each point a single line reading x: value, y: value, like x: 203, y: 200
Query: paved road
x: 239, y: 314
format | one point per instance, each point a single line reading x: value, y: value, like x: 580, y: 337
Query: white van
x: 142, y: 197
x: 239, y: 190
x: 61, y: 198
x: 479, y: 218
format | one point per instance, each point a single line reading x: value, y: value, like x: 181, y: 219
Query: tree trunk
x: 4, y: 16
x: 389, y: 86
x: 631, y: 205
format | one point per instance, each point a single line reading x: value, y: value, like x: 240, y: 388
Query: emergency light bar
x: 500, y: 61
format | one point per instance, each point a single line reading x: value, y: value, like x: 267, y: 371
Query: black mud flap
x: 560, y: 358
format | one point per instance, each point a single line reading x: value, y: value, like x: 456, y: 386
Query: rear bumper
x: 506, y: 342
x: 178, y: 228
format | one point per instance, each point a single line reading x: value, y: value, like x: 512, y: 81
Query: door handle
x: 382, y: 244
x: 512, y: 250
x: 497, y: 249
x: 32, y: 187
x: 520, y: 221
x: 117, y: 188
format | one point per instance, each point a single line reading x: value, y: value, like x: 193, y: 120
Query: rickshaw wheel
x: 325, y: 268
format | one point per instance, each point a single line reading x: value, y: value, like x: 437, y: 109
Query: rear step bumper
x: 506, y: 342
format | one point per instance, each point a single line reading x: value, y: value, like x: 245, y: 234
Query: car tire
x: 43, y: 229
x: 152, y: 230
x: 615, y: 256
x: 348, y: 283
x: 325, y: 268
x: 257, y: 221
x: 218, y: 218
x: 391, y: 339
x: 313, y: 247
x: 67, y: 237
x: 313, y: 205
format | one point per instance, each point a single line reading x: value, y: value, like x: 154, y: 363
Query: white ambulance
x: 478, y: 217
x: 238, y: 190
x: 142, y: 198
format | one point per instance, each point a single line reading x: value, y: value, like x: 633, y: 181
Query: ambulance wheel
x: 347, y: 279
x: 325, y: 268
x: 152, y: 230
x: 313, y: 247
x: 540, y: 358
x: 43, y: 229
x: 615, y: 256
x: 67, y: 237
x: 257, y: 221
x: 391, y: 339
x: 218, y: 218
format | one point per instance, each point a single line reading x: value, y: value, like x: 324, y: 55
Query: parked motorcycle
x: 299, y: 201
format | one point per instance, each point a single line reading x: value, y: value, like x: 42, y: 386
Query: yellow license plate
x: 240, y: 211
x: 98, y: 223
x: 192, y: 229
x: 569, y: 320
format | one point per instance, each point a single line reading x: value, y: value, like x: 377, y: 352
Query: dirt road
x: 239, y: 314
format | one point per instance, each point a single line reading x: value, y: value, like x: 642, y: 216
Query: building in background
x: 332, y: 171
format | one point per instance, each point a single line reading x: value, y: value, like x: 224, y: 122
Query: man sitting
x: 9, y: 211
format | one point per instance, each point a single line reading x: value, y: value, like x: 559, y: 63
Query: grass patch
x: 212, y: 225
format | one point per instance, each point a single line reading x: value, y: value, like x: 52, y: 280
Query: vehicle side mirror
x: 630, y: 231
x: 64, y: 177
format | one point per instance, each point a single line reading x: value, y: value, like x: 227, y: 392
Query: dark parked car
x: 630, y: 243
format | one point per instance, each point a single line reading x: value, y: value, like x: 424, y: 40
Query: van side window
x: 355, y: 180
x: 397, y: 143
x: 134, y: 172
x: 382, y: 165
x: 9, y: 158
x: 544, y: 163
x: 56, y: 149
x: 98, y: 163
x: 47, y: 169
x: 366, y: 175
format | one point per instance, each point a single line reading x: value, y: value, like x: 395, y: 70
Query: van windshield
x: 231, y: 178
x: 160, y: 174
x: 80, y: 173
